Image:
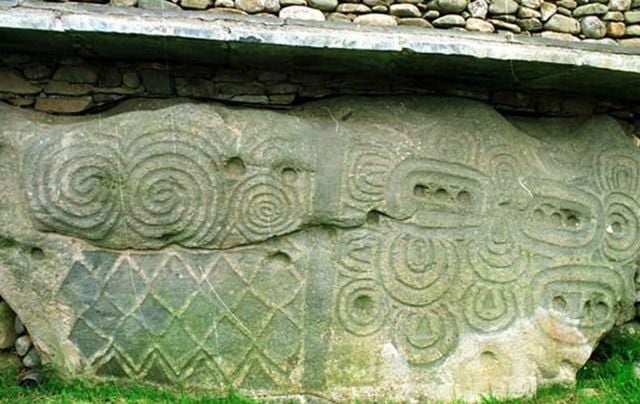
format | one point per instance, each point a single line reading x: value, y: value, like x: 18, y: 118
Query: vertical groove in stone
x: 319, y: 301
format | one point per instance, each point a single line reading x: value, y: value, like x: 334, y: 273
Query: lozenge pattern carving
x: 238, y: 317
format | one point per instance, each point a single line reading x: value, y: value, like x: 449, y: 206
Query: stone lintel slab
x: 492, y: 60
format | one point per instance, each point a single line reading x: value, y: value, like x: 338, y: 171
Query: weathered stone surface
x: 590, y: 9
x: 31, y: 359
x: 225, y: 10
x: 19, y: 326
x: 547, y: 9
x: 158, y: 5
x: 560, y: 36
x: 63, y: 105
x: 12, y: 82
x: 477, y: 24
x: 404, y: 10
x: 616, y: 29
x: 7, y: 329
x: 619, y: 5
x: 561, y: 23
x: 76, y: 74
x: 301, y: 13
x: 231, y: 4
x: 23, y: 344
x: 285, y: 3
x: 525, y: 12
x: 124, y: 3
x: 338, y: 17
x: 65, y: 88
x: 530, y: 24
x: 251, y: 6
x: 353, y: 8
x: 131, y: 79
x: 350, y: 249
x: 593, y: 27
x: 415, y: 22
x: 632, y: 42
x: 324, y: 5
x: 450, y: 20
x: 535, y: 4
x: 376, y: 19
x: 632, y: 30
x: 564, y: 11
x: 478, y: 9
x: 568, y: 4
x: 37, y: 71
x: 503, y: 7
x: 196, y: 4
x: 506, y: 25
x: 632, y: 17
x: 452, y: 6
x: 156, y: 81
x: 613, y: 16
x: 505, y: 17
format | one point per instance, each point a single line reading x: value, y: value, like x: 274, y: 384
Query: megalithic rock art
x: 400, y: 247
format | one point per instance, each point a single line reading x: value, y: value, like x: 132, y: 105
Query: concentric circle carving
x: 498, y: 257
x: 362, y: 307
x: 425, y: 336
x: 622, y: 234
x: 618, y: 170
x: 489, y: 308
x: 416, y: 270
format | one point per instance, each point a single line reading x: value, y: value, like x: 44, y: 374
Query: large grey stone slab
x: 355, y: 248
x: 496, y: 61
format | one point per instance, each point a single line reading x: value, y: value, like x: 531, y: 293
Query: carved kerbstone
x: 396, y: 247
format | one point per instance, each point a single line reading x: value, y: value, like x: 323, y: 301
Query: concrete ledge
x: 497, y: 61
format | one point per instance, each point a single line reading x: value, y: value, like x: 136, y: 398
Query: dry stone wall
x: 76, y: 85
x: 606, y: 21
x: 350, y: 248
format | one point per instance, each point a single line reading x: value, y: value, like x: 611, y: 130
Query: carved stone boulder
x: 401, y: 248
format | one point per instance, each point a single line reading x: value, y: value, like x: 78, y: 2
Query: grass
x: 56, y: 390
x: 608, y: 377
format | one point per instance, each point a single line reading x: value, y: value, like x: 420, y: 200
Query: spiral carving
x: 75, y: 188
x: 156, y: 188
x: 265, y: 206
x: 172, y: 188
x: 368, y: 173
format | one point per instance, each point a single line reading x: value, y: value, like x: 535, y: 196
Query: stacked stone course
x: 73, y: 85
x: 602, y: 21
x: 14, y: 337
